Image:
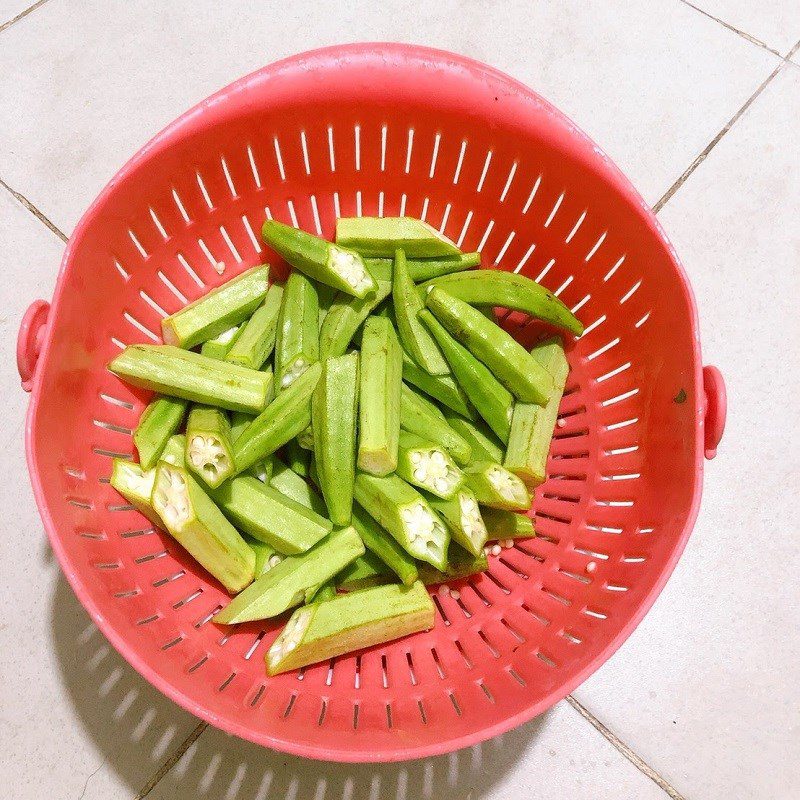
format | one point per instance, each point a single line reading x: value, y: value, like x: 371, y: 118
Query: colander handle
x: 716, y: 409
x: 30, y: 339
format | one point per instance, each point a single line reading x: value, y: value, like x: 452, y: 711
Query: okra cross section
x: 463, y: 517
x: 256, y: 341
x: 160, y: 420
x: 209, y: 446
x: 428, y: 466
x: 136, y: 486
x: 383, y: 546
x: 349, y: 622
x: 496, y: 487
x: 381, y: 236
x: 297, y: 336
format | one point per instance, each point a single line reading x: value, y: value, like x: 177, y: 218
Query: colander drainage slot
x: 487, y: 693
x: 516, y: 676
x: 290, y: 705
x: 485, y: 639
x: 198, y: 664
x: 257, y: 696
x: 454, y: 701
x: 439, y: 667
x: 138, y: 532
x: 411, y: 673
x: 227, y: 682
x: 172, y: 643
x: 463, y: 654
x: 323, y: 710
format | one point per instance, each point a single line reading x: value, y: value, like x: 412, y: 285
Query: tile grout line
x: 624, y: 750
x: 23, y: 201
x: 172, y: 760
x: 21, y: 15
x: 748, y: 37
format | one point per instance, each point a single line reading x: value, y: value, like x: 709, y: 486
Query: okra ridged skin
x: 485, y: 445
x: 461, y: 564
x: 297, y: 335
x: 506, y: 358
x: 209, y: 445
x: 269, y: 516
x: 181, y: 373
x: 381, y: 236
x: 366, y: 571
x: 334, y: 410
x: 306, y: 438
x: 383, y: 546
x: 256, y: 341
x: 381, y: 377
x: 266, y: 556
x: 323, y: 591
x: 463, y: 517
x: 287, y: 415
x: 136, y: 486
x: 159, y: 421
x: 291, y: 485
x: 494, y: 287
x: 219, y: 346
x: 424, y: 269
x: 427, y: 465
x: 222, y: 308
x: 350, y: 622
x: 175, y: 451
x: 285, y: 585
x: 532, y: 426
x: 507, y: 524
x: 442, y: 388
x: 297, y: 457
x: 192, y: 518
x: 497, y: 487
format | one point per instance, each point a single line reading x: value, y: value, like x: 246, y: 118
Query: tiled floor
x: 702, y: 701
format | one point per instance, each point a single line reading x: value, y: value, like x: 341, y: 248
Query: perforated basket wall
x: 376, y: 130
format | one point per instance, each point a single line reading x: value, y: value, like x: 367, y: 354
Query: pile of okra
x: 336, y: 443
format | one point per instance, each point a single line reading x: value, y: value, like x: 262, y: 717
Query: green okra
x: 159, y: 421
x: 417, y: 417
x: 191, y: 376
x: 327, y: 263
x: 297, y: 336
x: 175, y: 451
x: 496, y: 487
x: 463, y: 517
x: 381, y: 376
x: 362, y: 573
x: 192, y: 518
x: 285, y: 585
x: 326, y: 295
x: 290, y: 484
x: 297, y: 457
x: 424, y: 269
x: 306, y: 438
x: 269, y: 516
x: 427, y: 465
x: 256, y: 340
x: 381, y: 544
x: 460, y: 564
x: 349, y: 622
x: 441, y: 388
x: 507, y: 524
x: 498, y: 288
x: 381, y: 236
x: 267, y: 556
x: 136, y: 486
x: 221, y: 309
x: 405, y: 514
x: 485, y: 445
x: 416, y: 338
x: 323, y: 591
x: 334, y: 410
x: 239, y: 421
x: 209, y: 445
x: 532, y: 426
x: 219, y: 346
x: 287, y: 415
x: 489, y: 397
x: 508, y: 360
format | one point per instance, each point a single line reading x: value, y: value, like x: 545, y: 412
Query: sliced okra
x: 442, y: 388
x: 381, y: 236
x: 460, y: 564
x: 326, y: 295
x: 297, y: 337
x: 323, y: 591
x: 192, y: 518
x: 416, y: 338
x: 463, y: 517
x: 496, y: 487
x: 416, y: 417
x: 267, y: 556
x: 405, y: 514
x: 381, y: 377
x: 219, y: 346
x: 532, y: 426
x: 209, y: 445
x: 498, y: 288
x: 297, y: 457
x: 485, y: 445
x: 382, y: 545
x: 349, y: 622
x: 256, y: 341
x: 334, y: 410
x: 159, y: 421
x: 427, y: 465
x: 175, y: 451
x: 327, y: 263
x: 269, y: 516
x: 507, y: 524
x: 507, y: 359
x: 306, y: 438
x: 181, y: 373
x: 489, y: 397
x: 290, y: 484
x: 362, y: 573
x: 239, y: 421
x: 136, y: 486
x: 287, y: 415
x: 218, y: 311
x: 424, y: 269
x: 285, y: 585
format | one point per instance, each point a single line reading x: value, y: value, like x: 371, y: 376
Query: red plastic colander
x: 382, y: 129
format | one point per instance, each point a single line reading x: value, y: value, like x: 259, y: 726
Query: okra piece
x: 381, y: 236
x: 297, y: 336
x: 366, y: 571
x: 532, y: 426
x: 496, y: 487
x: 381, y: 377
x: 424, y: 269
x: 350, y: 622
x: 463, y: 517
x: 489, y: 397
x: 175, y: 451
x: 209, y: 445
x: 485, y: 445
x: 269, y: 516
x: 441, y: 388
x: 267, y: 556
x: 427, y: 465
x: 381, y: 544
x: 291, y: 485
x: 159, y: 421
x: 256, y: 341
x: 334, y: 409
x: 136, y: 486
x: 507, y: 359
x: 287, y: 415
x: 417, y: 340
x: 495, y: 287
x: 218, y: 311
x: 192, y: 518
x: 239, y: 421
x: 306, y: 438
x: 285, y: 585
x: 327, y: 263
x: 297, y: 457
x: 405, y: 514
x: 416, y: 417
x: 460, y: 564
x: 219, y: 346
x: 181, y: 373
x: 507, y: 524
x: 323, y: 591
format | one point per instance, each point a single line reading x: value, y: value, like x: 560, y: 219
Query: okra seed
x: 420, y: 474
x: 455, y: 594
x: 275, y: 560
x: 444, y: 590
x: 496, y: 550
x: 438, y: 458
x: 416, y: 457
